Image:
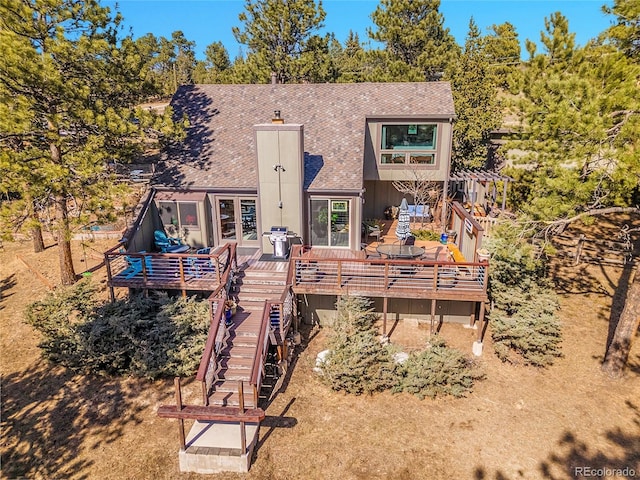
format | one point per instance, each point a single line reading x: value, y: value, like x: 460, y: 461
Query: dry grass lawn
x: 519, y: 423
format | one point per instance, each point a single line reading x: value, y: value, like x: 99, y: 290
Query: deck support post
x: 243, y: 430
x: 384, y: 315
x: 176, y: 382
x: 481, y: 322
x: 433, y: 315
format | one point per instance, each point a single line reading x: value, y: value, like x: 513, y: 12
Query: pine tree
x: 502, y: 50
x: 358, y: 362
x: 625, y: 33
x: 413, y: 32
x: 475, y: 99
x: 280, y: 37
x: 67, y: 87
x: 580, y: 127
x: 215, y: 67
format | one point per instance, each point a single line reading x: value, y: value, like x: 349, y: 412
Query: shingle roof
x: 219, y: 151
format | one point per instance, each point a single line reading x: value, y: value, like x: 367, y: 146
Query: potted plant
x: 483, y: 255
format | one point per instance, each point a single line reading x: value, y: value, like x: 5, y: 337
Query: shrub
x: 423, y: 234
x: 147, y: 337
x: 438, y: 370
x: 358, y: 363
x: 524, y: 326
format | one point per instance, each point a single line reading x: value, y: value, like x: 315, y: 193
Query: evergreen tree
x: 502, y: 50
x: 358, y: 362
x: 413, y: 32
x: 215, y: 67
x: 475, y: 99
x: 625, y: 33
x: 169, y: 63
x: 280, y: 37
x: 67, y: 86
x: 580, y: 128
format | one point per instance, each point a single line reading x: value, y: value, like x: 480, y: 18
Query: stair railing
x: 262, y: 347
x: 218, y: 332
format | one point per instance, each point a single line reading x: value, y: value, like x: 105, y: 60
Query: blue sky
x: 208, y: 21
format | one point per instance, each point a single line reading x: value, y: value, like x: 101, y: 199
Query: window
x: 408, y: 143
x: 179, y: 216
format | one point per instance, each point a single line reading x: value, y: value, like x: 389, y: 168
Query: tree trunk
x: 38, y: 241
x: 617, y: 354
x: 67, y: 273
x: 36, y: 230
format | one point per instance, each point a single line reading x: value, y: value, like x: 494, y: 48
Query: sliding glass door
x: 329, y: 220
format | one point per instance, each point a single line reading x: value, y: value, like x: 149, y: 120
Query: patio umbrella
x: 403, y: 229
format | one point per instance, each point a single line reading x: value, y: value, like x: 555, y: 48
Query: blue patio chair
x: 168, y: 244
x: 135, y: 266
x: 199, y: 266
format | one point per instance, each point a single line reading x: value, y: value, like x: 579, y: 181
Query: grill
x: 279, y: 238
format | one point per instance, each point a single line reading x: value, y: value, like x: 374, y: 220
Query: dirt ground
x: 519, y: 423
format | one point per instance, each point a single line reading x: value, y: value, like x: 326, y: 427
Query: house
x: 265, y: 169
x: 309, y: 157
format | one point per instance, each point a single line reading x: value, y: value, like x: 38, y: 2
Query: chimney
x: 274, y: 78
x: 277, y: 118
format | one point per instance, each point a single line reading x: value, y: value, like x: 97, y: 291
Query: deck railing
x: 181, y: 271
x: 390, y: 277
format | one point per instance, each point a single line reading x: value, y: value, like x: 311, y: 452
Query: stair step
x: 239, y: 351
x: 235, y: 363
x: 243, y: 374
x: 225, y: 398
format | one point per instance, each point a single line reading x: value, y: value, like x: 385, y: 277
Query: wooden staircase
x: 252, y: 288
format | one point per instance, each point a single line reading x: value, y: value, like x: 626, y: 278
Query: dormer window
x: 408, y: 144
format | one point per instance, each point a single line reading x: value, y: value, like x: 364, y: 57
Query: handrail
x: 216, y: 302
x: 261, y: 345
x: 210, y: 346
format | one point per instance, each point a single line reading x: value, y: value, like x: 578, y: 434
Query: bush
x: 423, y: 234
x: 358, y: 363
x: 147, y: 337
x: 524, y: 326
x: 438, y: 370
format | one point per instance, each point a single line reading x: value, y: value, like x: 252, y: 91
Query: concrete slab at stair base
x: 214, y: 447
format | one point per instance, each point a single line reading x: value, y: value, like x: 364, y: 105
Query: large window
x: 408, y: 143
x: 178, y: 217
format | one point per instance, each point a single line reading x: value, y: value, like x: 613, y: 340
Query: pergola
x: 472, y: 179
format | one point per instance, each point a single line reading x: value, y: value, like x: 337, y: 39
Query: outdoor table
x: 400, y: 251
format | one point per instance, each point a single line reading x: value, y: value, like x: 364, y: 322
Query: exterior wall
x: 142, y: 238
x: 321, y: 309
x: 280, y: 144
x: 373, y: 170
x: 378, y: 196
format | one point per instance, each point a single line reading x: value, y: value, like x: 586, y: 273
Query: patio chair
x: 198, y: 266
x: 135, y: 266
x: 168, y: 244
x: 374, y: 232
